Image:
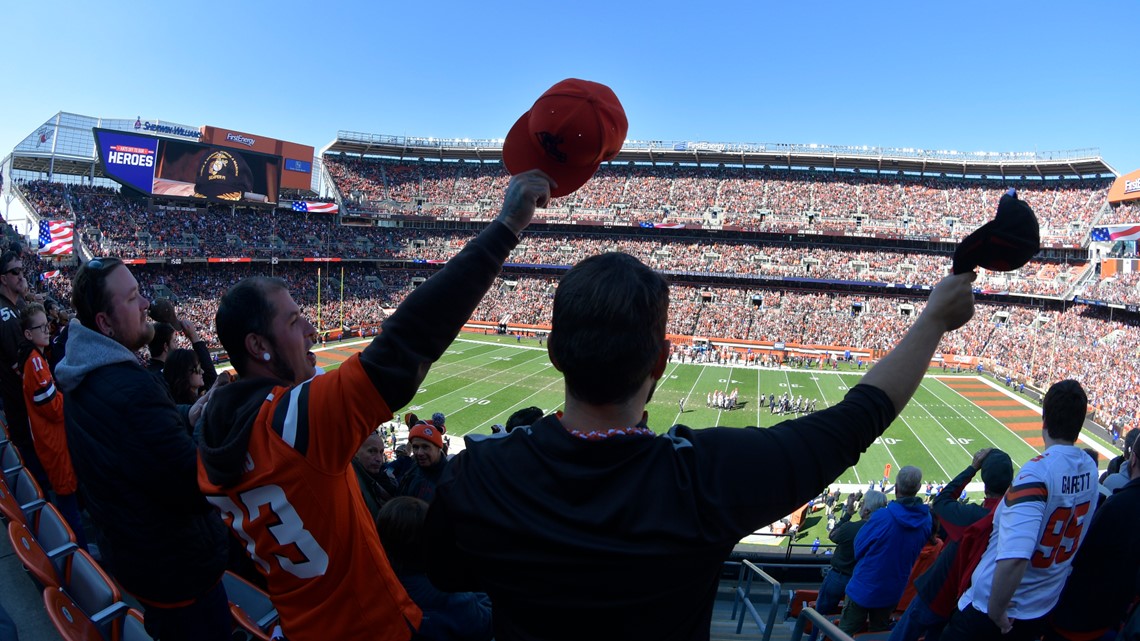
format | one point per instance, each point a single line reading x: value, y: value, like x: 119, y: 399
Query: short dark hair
x: 29, y: 310
x: 1063, y: 410
x: 525, y: 416
x: 163, y: 332
x: 1130, y: 441
x: 399, y: 524
x: 608, y: 327
x: 245, y: 309
x: 89, y: 289
x: 7, y: 258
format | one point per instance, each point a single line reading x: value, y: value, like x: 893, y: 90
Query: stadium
x: 792, y: 269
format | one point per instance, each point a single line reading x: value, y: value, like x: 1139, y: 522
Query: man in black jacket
x: 588, y: 525
x: 136, y: 463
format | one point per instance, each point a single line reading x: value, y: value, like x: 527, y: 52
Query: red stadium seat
x: 133, y: 629
x: 55, y: 536
x: 87, y: 606
x: 250, y: 606
x: 38, y: 564
x: 20, y: 497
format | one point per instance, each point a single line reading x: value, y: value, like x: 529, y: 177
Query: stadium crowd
x: 752, y: 199
x: 1032, y: 343
x: 115, y: 225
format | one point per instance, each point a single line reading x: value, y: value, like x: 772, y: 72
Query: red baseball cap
x: 569, y: 132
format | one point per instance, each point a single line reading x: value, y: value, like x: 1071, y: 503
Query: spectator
x: 45, y: 417
x: 183, y: 376
x: 1043, y: 519
x: 524, y: 417
x: 582, y: 515
x: 368, y: 463
x: 1117, y: 462
x: 834, y: 585
x: 426, y: 443
x: 885, y: 550
x: 13, y: 291
x: 936, y: 588
x: 293, y: 450
x: 1103, y: 583
x: 134, y: 459
x: 448, y: 616
x: 160, y: 347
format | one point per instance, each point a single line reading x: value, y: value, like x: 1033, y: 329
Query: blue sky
x: 968, y: 76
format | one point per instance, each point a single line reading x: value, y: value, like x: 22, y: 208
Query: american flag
x: 1115, y: 233
x: 56, y: 237
x: 316, y: 208
x: 55, y: 273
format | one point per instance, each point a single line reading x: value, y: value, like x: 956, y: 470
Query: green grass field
x: 481, y: 380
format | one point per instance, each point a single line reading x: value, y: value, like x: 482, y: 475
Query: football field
x: 482, y: 380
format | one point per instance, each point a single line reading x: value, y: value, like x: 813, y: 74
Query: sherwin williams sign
x: 128, y: 158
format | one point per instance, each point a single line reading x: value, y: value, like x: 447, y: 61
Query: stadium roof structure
x: 1077, y: 163
x: 64, y: 145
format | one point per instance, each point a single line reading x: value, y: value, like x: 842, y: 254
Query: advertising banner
x: 128, y: 158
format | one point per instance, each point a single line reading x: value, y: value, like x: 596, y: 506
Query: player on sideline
x: 277, y: 443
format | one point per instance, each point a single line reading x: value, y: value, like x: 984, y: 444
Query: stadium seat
x: 20, y: 497
x: 133, y: 629
x: 799, y: 600
x: 250, y: 606
x: 35, y: 560
x: 10, y: 460
x: 54, y: 535
x: 87, y: 602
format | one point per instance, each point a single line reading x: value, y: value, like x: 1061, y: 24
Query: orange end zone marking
x: 1004, y: 402
x: 999, y: 405
x: 1021, y: 413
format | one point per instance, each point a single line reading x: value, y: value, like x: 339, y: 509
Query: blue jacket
x: 885, y: 550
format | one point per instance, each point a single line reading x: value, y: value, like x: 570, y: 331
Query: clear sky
x: 962, y: 75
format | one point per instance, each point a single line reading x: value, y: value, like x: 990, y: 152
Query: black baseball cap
x: 222, y: 174
x: 1005, y: 243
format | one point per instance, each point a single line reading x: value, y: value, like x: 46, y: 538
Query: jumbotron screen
x: 181, y: 169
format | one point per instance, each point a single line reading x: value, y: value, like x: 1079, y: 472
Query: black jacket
x: 137, y: 472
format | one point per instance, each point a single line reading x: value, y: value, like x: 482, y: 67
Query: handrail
x: 821, y: 622
x: 742, y: 599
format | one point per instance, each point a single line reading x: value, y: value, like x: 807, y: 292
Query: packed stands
x: 711, y: 301
x: 752, y: 199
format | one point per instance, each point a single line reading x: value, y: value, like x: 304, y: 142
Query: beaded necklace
x: 599, y: 435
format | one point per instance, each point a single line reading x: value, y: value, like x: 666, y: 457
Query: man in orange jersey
x: 276, y: 444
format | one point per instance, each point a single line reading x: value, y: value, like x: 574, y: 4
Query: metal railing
x: 742, y: 599
x: 826, y: 628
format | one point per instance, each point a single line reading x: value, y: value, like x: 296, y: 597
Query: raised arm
x: 899, y: 373
x: 429, y: 319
